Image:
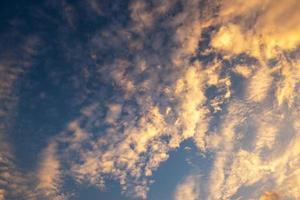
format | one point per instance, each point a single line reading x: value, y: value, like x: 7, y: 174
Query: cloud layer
x: 224, y: 74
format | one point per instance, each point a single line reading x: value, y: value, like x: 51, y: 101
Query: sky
x: 150, y: 100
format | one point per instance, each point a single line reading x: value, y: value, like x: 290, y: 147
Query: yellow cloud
x: 274, y: 25
x: 231, y: 39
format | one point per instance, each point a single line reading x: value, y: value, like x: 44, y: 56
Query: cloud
x: 132, y: 155
x: 256, y: 27
x: 230, y: 39
x: 113, y: 113
x: 5, y: 169
x: 259, y: 85
x: 2, y: 193
x: 169, y: 82
x: 123, y: 155
x: 95, y: 6
x: 179, y: 97
x: 49, y: 174
x: 188, y: 189
x: 14, y: 63
x: 243, y: 70
x: 165, y: 95
x: 189, y: 88
x: 269, y: 196
x: 13, y: 182
x: 133, y: 145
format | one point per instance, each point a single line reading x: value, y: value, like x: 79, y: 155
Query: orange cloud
x: 269, y: 196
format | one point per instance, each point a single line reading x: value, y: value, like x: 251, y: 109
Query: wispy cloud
x: 188, y: 189
x: 49, y: 174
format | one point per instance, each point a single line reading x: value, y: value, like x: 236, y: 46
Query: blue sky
x: 158, y: 100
